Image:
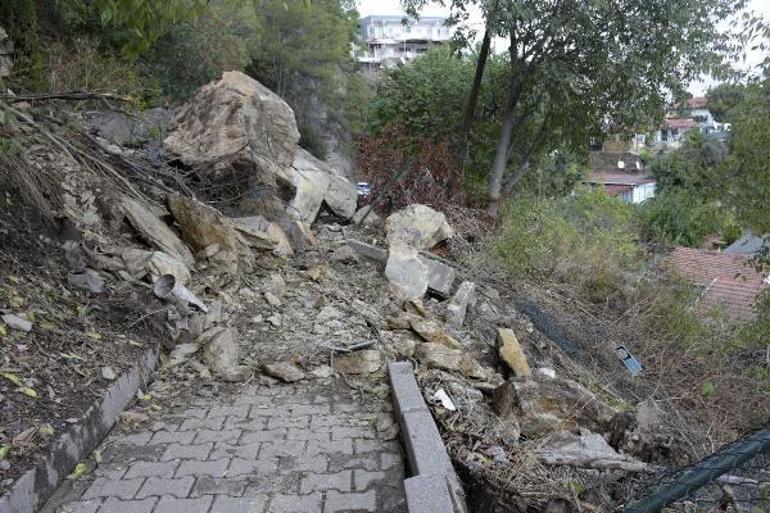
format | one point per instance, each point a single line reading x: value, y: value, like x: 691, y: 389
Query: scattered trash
x: 631, y: 363
x: 167, y: 287
x: 444, y: 399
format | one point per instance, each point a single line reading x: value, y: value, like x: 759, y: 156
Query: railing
x: 734, y: 479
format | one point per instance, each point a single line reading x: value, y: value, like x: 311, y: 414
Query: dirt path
x: 288, y: 448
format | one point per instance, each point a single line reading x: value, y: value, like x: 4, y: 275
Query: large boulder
x: 419, y: 226
x: 316, y: 184
x: 543, y: 406
x: 154, y: 231
x: 235, y: 121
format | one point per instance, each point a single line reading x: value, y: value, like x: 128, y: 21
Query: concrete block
x: 441, y: 277
x: 427, y: 494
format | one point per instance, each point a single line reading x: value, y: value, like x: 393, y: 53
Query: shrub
x: 311, y: 139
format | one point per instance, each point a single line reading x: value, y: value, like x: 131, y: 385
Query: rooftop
x: 698, y: 102
x: 729, y: 281
x: 620, y: 179
x: 681, y: 123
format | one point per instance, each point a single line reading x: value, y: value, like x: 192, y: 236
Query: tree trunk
x: 470, y: 108
x: 501, y: 158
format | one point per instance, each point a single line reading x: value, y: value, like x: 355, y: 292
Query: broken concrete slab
x: 441, y: 277
x: 458, y: 306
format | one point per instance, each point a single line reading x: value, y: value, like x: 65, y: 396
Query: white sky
x: 367, y: 7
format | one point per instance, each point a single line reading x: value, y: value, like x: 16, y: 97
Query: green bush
x: 312, y: 141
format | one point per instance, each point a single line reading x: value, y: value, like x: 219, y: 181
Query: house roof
x: 623, y: 179
x: 698, y: 102
x: 681, y: 123
x: 729, y: 281
x: 748, y: 244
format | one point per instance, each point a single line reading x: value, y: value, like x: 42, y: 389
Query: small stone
x: 511, y: 353
x: 272, y: 299
x: 546, y: 372
x: 133, y: 417
x: 109, y: 374
x: 285, y: 371
x: 430, y: 331
x: 17, y: 323
x: 358, y: 362
x: 324, y: 371
x: 258, y: 319
x: 275, y: 320
x: 458, y: 306
x: 345, y: 254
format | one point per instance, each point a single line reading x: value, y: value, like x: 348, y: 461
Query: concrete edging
x: 32, y: 489
x: 434, y: 485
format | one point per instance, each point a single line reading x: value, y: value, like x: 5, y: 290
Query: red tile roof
x: 698, y: 102
x: 729, y: 281
x: 681, y: 123
x: 620, y: 178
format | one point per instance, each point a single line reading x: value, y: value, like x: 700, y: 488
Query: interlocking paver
x: 286, y: 449
x: 225, y: 504
x: 174, y: 505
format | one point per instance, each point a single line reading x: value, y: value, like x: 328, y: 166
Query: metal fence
x: 734, y: 479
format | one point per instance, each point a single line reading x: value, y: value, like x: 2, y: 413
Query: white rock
x: 17, y: 323
x: 406, y: 271
x: 419, y: 226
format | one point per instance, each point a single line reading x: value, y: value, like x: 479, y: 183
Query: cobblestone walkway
x: 306, y: 448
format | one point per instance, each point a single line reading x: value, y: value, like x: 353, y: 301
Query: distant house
x: 726, y: 281
x: 628, y: 187
x: 672, y: 133
x: 392, y: 39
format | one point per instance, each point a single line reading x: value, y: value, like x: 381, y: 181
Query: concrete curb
x: 434, y: 486
x: 32, y: 489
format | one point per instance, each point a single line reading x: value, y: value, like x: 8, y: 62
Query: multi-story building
x: 388, y: 40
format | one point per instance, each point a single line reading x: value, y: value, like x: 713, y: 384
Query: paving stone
x: 284, y: 448
x: 241, y: 411
x: 363, y: 479
x: 246, y: 424
x: 209, y: 485
x: 126, y: 453
x: 135, y: 438
x: 352, y: 432
x: 363, y: 446
x: 308, y: 434
x: 224, y: 504
x: 336, y: 501
x: 170, y: 437
x: 82, y: 506
x: 318, y: 463
x: 240, y: 466
x: 172, y: 505
x: 157, y: 486
x: 343, y: 461
x: 315, y: 447
x: 301, y: 421
x: 263, y: 436
x: 282, y: 482
x: 196, y: 424
x: 187, y: 452
x: 228, y: 450
x: 214, y: 468
x: 119, y: 506
x: 123, y: 489
x: 319, y: 482
x: 295, y: 503
x: 209, y: 435
x: 111, y: 471
x: 390, y: 460
x: 151, y: 469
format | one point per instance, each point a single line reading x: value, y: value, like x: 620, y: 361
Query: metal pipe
x: 705, y: 472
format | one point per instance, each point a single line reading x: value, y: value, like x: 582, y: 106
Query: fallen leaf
x: 93, y: 335
x: 98, y: 457
x: 142, y: 396
x: 3, y: 329
x: 29, y: 392
x: 46, y: 430
x: 4, y: 450
x: 13, y: 378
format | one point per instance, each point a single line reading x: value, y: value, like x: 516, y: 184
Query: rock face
x: 511, y: 353
x: 458, y: 307
x: 316, y: 184
x: 236, y: 121
x: 6, y: 54
x: 155, y: 231
x: 419, y: 226
x: 405, y: 270
x: 544, y: 406
x: 443, y: 357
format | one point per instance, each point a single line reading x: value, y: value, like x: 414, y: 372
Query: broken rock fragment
x: 441, y: 277
x: 430, y: 331
x: 154, y: 231
x: 222, y: 354
x: 358, y: 362
x: 285, y: 371
x: 458, y: 306
x: 89, y: 280
x: 511, y: 353
x: 406, y: 271
x: 419, y: 226
x: 16, y: 322
x: 443, y: 357
x: 587, y: 450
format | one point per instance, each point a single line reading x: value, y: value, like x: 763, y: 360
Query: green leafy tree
x: 724, y: 99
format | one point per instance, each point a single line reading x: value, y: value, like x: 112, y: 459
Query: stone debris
x: 366, y: 215
x: 154, y: 231
x: 316, y: 184
x: 364, y: 361
x: 368, y: 250
x: 511, y: 353
x: 545, y: 406
x: 16, y: 322
x: 406, y: 271
x: 419, y: 226
x: 345, y: 254
x: 430, y: 331
x: 446, y: 358
x: 272, y: 299
x: 587, y: 450
x: 458, y: 307
x: 441, y: 277
x: 284, y: 371
x: 108, y: 373
x: 222, y: 354
x: 89, y: 280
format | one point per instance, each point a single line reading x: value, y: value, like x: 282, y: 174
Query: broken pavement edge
x: 32, y: 489
x: 433, y: 486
